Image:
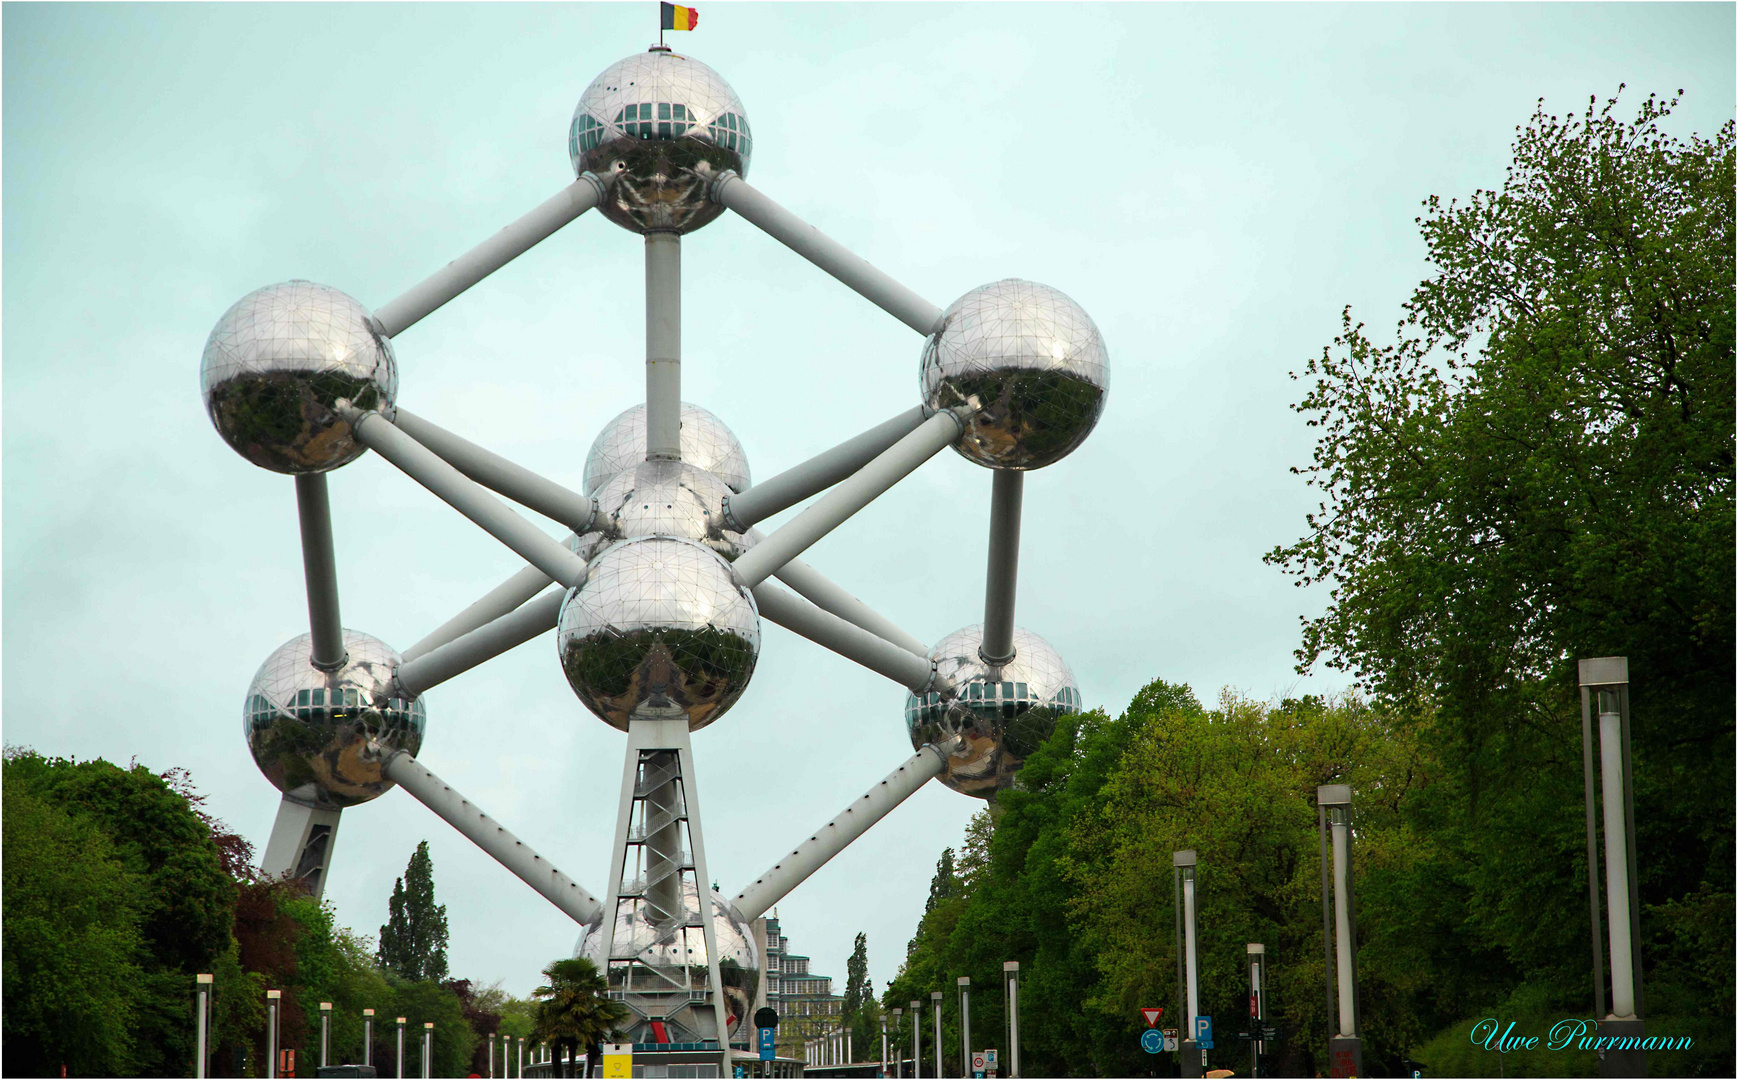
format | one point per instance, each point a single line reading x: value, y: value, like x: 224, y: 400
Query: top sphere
x: 664, y: 125
x: 278, y: 361
x: 1025, y: 366
x: 706, y: 444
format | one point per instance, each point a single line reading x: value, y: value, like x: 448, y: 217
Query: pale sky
x: 1212, y: 183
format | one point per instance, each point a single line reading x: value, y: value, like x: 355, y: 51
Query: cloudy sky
x: 1211, y: 183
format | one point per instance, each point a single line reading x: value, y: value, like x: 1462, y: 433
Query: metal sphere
x: 662, y: 498
x: 707, y: 443
x: 1000, y: 716
x: 738, y: 959
x: 1026, y: 368
x: 663, y: 125
x: 657, y: 630
x: 322, y: 737
x: 278, y: 361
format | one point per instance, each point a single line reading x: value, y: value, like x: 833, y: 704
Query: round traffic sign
x: 1153, y: 1040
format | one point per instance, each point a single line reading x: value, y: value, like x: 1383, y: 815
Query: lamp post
x: 367, y: 1036
x: 325, y: 1030
x: 519, y: 1042
x: 1183, y: 864
x: 492, y: 1056
x: 965, y: 984
x: 272, y: 999
x: 935, y: 1000
x: 916, y: 1039
x: 427, y: 1050
x: 1340, y: 928
x: 898, y: 1054
x: 202, y: 990
x: 1257, y: 1004
x: 401, y: 1048
x: 1011, y: 982
x: 883, y: 1070
x: 1605, y: 692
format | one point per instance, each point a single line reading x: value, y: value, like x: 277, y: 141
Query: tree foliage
x: 574, y: 1011
x: 413, y: 943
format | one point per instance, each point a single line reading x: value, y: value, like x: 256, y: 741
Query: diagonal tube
x: 1003, y: 568
x: 819, y: 473
x: 846, y: 498
x: 825, y: 252
x: 502, y: 600
x: 812, y: 585
x: 320, y: 570
x: 915, y: 673
x: 484, y: 643
x: 497, y: 251
x: 833, y: 837
x: 500, y: 475
x: 464, y: 495
x: 485, y: 832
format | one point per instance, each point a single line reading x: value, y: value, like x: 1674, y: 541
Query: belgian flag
x: 676, y: 17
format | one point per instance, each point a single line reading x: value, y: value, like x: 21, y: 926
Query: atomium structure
x: 654, y: 598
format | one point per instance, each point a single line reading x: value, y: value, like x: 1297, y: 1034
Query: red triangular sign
x: 1151, y: 1016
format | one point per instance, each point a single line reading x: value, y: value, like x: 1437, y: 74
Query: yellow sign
x: 618, y: 1060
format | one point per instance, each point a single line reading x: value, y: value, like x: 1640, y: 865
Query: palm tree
x: 575, y: 1009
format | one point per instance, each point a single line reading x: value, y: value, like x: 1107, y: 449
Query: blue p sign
x: 767, y: 1036
x: 1204, y: 1032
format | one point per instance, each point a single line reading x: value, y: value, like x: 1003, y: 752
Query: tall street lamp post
x: 965, y: 984
x: 1605, y: 691
x: 1183, y: 865
x: 935, y: 1000
x: 272, y: 999
x: 1011, y: 982
x: 1340, y: 928
x: 202, y: 987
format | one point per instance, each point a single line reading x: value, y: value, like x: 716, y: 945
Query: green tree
x: 944, y: 884
x: 1539, y: 469
x: 574, y: 1011
x: 73, y: 943
x: 413, y: 943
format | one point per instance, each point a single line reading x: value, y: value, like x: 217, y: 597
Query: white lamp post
x: 1605, y: 691
x: 935, y: 1000
x: 1183, y: 866
x: 1340, y: 928
x: 1011, y: 982
x: 965, y: 984
x: 202, y: 988
x: 367, y: 1036
x: 272, y: 999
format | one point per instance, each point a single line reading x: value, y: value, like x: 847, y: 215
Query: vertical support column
x: 935, y: 1000
x: 428, y: 1050
x: 883, y: 1070
x: 491, y: 1055
x: 320, y: 570
x: 401, y: 1048
x: 1001, y: 576
x: 664, y: 345
x: 1011, y: 980
x: 368, y: 1036
x: 272, y: 999
x: 1183, y: 866
x: 202, y: 988
x: 301, y: 845
x: 965, y: 984
x: 325, y: 1031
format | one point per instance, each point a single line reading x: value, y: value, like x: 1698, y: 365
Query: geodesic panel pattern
x: 658, y: 630
x: 277, y: 363
x: 1027, y: 368
x: 667, y: 498
x: 707, y: 443
x: 323, y: 737
x: 1001, y: 715
x: 662, y: 125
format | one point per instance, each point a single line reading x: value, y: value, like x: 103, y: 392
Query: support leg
x: 301, y: 845
x: 1004, y: 565
x: 320, y: 568
x: 664, y: 345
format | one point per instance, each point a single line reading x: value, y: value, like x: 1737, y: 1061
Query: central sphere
x: 323, y: 736
x: 1002, y: 714
x: 658, y: 630
x: 662, y: 498
x: 663, y: 125
x: 706, y: 443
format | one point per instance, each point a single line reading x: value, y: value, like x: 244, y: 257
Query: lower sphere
x: 633, y: 935
x: 658, y: 630
x: 1002, y: 714
x: 322, y: 737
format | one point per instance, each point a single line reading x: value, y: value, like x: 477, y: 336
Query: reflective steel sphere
x: 278, y: 361
x: 1029, y: 367
x: 1000, y: 716
x: 322, y: 737
x: 664, y: 125
x: 706, y: 443
x: 738, y: 960
x: 658, y: 630
x: 661, y: 498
